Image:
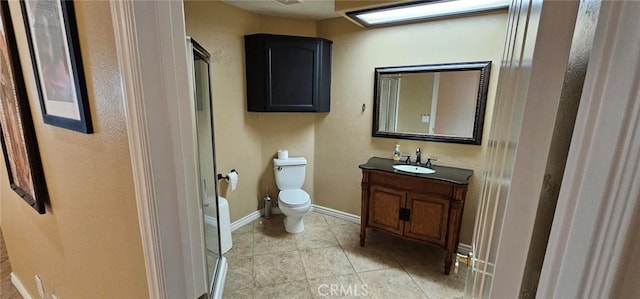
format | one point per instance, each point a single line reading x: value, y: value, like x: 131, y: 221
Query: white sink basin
x: 414, y: 169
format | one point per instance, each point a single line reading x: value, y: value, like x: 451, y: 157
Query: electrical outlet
x: 40, y: 286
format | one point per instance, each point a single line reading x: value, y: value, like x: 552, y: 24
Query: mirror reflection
x: 443, y: 102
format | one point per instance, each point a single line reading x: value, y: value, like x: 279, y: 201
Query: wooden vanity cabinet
x: 415, y: 208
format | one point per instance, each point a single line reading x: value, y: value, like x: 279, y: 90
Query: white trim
x: 530, y: 81
x: 221, y: 276
x: 16, y: 282
x: 335, y: 213
x: 593, y: 223
x: 253, y: 216
x: 210, y: 220
x: 396, y: 107
x: 128, y: 59
x: 434, y: 103
x: 464, y: 249
x: 161, y: 144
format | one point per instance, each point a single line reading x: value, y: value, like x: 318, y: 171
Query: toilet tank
x: 289, y: 172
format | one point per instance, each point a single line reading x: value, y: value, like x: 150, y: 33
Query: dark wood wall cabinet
x: 425, y: 208
x: 287, y: 73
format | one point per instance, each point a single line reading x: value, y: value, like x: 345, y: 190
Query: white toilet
x: 292, y: 200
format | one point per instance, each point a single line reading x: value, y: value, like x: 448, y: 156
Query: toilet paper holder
x: 225, y: 177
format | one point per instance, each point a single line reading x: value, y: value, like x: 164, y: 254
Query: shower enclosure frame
x: 216, y: 281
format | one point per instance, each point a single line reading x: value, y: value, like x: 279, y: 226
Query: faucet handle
x: 408, y: 160
x: 429, y: 159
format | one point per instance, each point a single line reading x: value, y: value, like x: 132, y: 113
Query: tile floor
x: 267, y: 262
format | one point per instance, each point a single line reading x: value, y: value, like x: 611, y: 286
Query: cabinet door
x: 429, y: 218
x: 384, y: 209
x: 293, y: 74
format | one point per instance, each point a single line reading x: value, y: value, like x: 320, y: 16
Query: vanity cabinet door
x: 384, y: 208
x: 429, y: 218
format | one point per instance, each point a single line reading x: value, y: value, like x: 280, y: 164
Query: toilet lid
x: 294, y: 198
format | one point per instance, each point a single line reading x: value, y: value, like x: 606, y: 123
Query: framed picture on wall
x: 57, y: 64
x: 17, y: 133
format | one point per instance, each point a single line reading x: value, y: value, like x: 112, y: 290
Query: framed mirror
x: 432, y: 102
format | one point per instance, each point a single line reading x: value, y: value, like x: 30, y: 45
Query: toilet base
x: 293, y: 224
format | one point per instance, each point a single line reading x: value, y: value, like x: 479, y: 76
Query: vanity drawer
x: 409, y: 183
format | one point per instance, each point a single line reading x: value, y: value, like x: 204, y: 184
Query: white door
x: 537, y: 47
x: 390, y: 95
x: 594, y: 242
x: 434, y: 103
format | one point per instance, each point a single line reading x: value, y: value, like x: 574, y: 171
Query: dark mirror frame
x: 483, y: 86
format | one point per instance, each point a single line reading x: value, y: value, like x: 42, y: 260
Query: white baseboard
x: 251, y: 217
x: 245, y: 220
x: 19, y: 286
x: 462, y: 248
x: 335, y: 213
x: 208, y: 220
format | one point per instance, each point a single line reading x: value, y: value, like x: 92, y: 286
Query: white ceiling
x: 306, y: 9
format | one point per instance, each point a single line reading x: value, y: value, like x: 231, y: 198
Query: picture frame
x: 17, y: 133
x: 54, y: 46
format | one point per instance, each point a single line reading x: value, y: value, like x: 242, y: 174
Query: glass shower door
x: 208, y: 188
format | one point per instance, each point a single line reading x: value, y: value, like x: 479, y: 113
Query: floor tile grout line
x: 415, y: 282
x: 343, y: 249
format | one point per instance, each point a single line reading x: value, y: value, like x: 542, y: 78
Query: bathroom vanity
x: 425, y: 208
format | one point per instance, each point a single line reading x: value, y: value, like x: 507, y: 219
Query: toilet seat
x: 294, y: 198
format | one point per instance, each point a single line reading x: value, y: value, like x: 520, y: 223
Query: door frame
x: 150, y: 41
x: 591, y: 253
x: 150, y: 32
x: 531, y: 78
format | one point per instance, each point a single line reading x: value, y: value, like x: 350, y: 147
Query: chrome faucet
x: 418, y: 153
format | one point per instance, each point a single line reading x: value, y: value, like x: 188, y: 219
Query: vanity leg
x: 364, y: 208
x: 448, y: 261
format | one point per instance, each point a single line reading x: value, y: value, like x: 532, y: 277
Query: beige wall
x: 457, y: 102
x: 337, y: 142
x: 88, y: 244
x: 247, y: 141
x: 343, y: 137
x: 416, y: 91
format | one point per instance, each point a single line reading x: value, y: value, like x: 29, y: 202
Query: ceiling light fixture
x: 422, y: 10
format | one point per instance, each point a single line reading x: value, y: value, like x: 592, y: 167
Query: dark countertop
x: 453, y: 175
